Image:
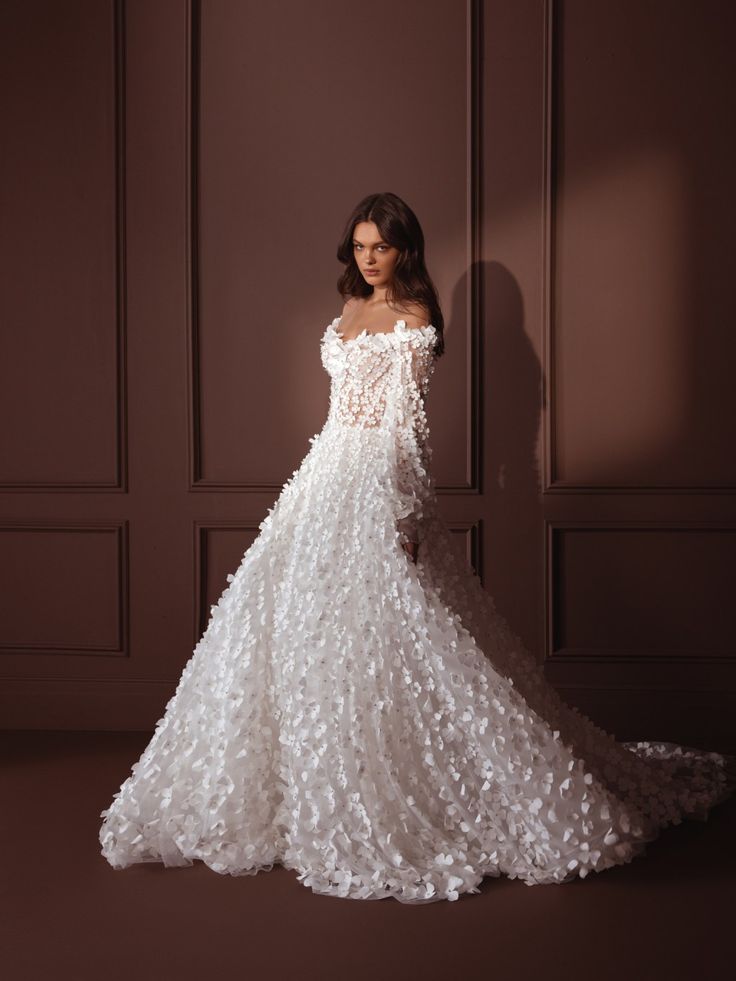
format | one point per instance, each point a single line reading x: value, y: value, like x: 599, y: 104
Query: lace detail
x: 373, y: 723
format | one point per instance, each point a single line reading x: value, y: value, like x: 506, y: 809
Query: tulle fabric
x: 372, y: 723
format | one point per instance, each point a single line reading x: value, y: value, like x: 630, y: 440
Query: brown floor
x: 67, y: 915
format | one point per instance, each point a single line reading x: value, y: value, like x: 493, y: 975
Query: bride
x: 357, y: 710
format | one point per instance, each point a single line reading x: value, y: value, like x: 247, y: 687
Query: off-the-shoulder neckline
x: 402, y: 330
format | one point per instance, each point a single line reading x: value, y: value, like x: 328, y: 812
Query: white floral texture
x: 373, y: 723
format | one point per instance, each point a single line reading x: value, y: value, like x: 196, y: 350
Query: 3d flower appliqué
x: 374, y: 724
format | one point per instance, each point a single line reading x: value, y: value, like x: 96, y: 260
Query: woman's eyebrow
x: 379, y: 242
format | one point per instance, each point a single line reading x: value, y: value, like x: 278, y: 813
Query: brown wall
x: 174, y: 180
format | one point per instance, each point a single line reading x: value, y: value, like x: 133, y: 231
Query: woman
x: 356, y: 709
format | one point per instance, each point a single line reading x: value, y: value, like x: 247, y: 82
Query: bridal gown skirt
x: 376, y: 726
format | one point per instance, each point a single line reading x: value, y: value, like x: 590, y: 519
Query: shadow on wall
x: 509, y: 421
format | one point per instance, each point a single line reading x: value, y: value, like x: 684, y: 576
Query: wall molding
x: 121, y: 649
x: 119, y: 483
x: 662, y: 657
x: 474, y: 246
x: 200, y: 610
x: 552, y: 485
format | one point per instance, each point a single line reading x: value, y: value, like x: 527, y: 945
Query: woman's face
x: 374, y: 258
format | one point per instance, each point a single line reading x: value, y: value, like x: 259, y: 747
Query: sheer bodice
x: 380, y: 381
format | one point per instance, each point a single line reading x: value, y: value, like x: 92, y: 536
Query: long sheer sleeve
x: 414, y: 482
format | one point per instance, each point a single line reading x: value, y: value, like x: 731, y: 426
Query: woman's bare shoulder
x: 416, y: 315
x: 351, y: 304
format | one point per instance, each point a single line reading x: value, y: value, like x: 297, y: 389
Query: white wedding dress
x: 373, y: 723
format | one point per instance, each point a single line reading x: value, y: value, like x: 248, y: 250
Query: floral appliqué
x: 375, y: 724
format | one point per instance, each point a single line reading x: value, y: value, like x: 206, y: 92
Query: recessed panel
x: 281, y: 159
x: 221, y: 550
x: 642, y: 244
x: 470, y: 538
x: 62, y: 590
x: 643, y: 592
x: 59, y: 245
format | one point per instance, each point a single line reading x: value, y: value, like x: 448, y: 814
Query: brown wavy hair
x: 398, y: 226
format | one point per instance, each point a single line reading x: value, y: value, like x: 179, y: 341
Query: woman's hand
x: 411, y: 548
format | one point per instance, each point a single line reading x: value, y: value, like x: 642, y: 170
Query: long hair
x: 398, y: 226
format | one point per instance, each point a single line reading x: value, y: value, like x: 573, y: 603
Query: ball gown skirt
x: 372, y: 723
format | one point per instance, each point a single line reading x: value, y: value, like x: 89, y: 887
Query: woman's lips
x: 371, y: 272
